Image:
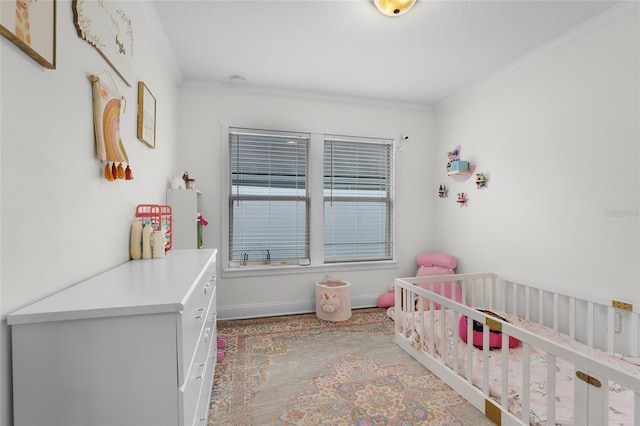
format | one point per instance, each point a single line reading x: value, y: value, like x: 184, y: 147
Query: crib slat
x: 551, y: 389
x: 443, y: 334
x: 590, y: 323
x: 526, y: 382
x: 456, y: 342
x: 610, y: 328
x: 485, y: 361
x: 572, y: 317
x: 540, y: 306
x: 634, y: 350
x: 469, y: 364
x: 556, y: 311
x: 505, y: 369
x: 527, y: 303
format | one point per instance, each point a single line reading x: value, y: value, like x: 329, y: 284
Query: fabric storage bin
x: 333, y: 300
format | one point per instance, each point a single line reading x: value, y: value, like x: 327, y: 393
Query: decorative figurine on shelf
x: 455, y: 154
x: 462, y: 199
x: 481, y: 180
x: 442, y: 191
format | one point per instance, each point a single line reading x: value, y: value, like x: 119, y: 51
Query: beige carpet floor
x: 300, y: 370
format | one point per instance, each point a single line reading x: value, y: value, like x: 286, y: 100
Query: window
x: 357, y: 200
x: 268, y: 197
x: 282, y: 211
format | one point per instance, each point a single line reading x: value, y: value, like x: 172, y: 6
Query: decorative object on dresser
x: 131, y: 346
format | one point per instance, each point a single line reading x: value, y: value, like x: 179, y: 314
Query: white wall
x: 559, y: 142
x: 61, y: 221
x: 202, y: 110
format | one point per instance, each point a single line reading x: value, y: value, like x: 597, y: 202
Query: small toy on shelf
x: 481, y: 180
x: 462, y: 199
x: 442, y: 191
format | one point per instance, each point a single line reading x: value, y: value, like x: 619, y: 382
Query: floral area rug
x: 300, y: 370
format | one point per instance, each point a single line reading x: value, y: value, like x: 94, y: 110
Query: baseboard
x: 259, y: 310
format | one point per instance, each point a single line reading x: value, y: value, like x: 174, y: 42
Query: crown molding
x: 622, y: 9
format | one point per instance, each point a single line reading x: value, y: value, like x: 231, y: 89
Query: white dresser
x: 132, y: 346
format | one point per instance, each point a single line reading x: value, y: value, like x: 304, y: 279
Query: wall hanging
x: 146, y: 115
x: 106, y: 119
x: 462, y: 199
x: 31, y: 25
x: 458, y: 170
x: 106, y: 27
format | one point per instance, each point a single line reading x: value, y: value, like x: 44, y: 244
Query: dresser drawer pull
x: 206, y: 288
x: 201, y: 311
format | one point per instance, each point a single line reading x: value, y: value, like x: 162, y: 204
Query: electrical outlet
x: 617, y: 322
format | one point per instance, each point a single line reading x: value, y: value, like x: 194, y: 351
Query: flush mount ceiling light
x: 237, y: 81
x: 394, y: 7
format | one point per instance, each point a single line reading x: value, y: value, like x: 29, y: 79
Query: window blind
x: 358, y: 200
x: 269, y: 200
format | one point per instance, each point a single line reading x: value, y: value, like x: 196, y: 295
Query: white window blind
x: 268, y: 197
x: 358, y: 200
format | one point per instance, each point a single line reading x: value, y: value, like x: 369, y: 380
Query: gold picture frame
x: 146, y: 115
x: 31, y: 26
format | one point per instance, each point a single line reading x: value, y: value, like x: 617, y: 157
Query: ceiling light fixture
x: 394, y: 7
x: 237, y: 81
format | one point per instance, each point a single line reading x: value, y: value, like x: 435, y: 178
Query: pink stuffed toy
x: 387, y: 299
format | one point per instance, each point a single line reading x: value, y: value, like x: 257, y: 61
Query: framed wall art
x: 106, y: 26
x: 146, y: 115
x: 31, y: 25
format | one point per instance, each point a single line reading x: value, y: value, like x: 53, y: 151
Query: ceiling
x: 346, y: 48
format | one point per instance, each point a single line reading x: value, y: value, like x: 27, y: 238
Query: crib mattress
x: 620, y: 398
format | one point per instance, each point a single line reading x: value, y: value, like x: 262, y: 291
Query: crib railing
x: 579, y: 316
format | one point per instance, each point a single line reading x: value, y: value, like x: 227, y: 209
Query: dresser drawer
x: 202, y: 410
x: 199, y: 377
x: 193, y: 318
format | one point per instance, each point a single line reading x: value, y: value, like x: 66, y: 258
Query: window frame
x: 315, y: 217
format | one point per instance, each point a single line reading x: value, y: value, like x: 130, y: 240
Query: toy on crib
x: 329, y: 303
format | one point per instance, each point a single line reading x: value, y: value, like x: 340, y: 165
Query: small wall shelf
x: 481, y: 180
x: 453, y: 160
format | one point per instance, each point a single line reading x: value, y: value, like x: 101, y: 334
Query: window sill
x: 255, y: 271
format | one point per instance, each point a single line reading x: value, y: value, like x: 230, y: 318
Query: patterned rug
x: 300, y: 370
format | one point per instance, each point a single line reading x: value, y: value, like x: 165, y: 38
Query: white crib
x: 572, y: 337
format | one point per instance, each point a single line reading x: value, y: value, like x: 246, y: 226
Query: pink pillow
x: 495, y: 337
x: 386, y: 300
x: 437, y: 259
